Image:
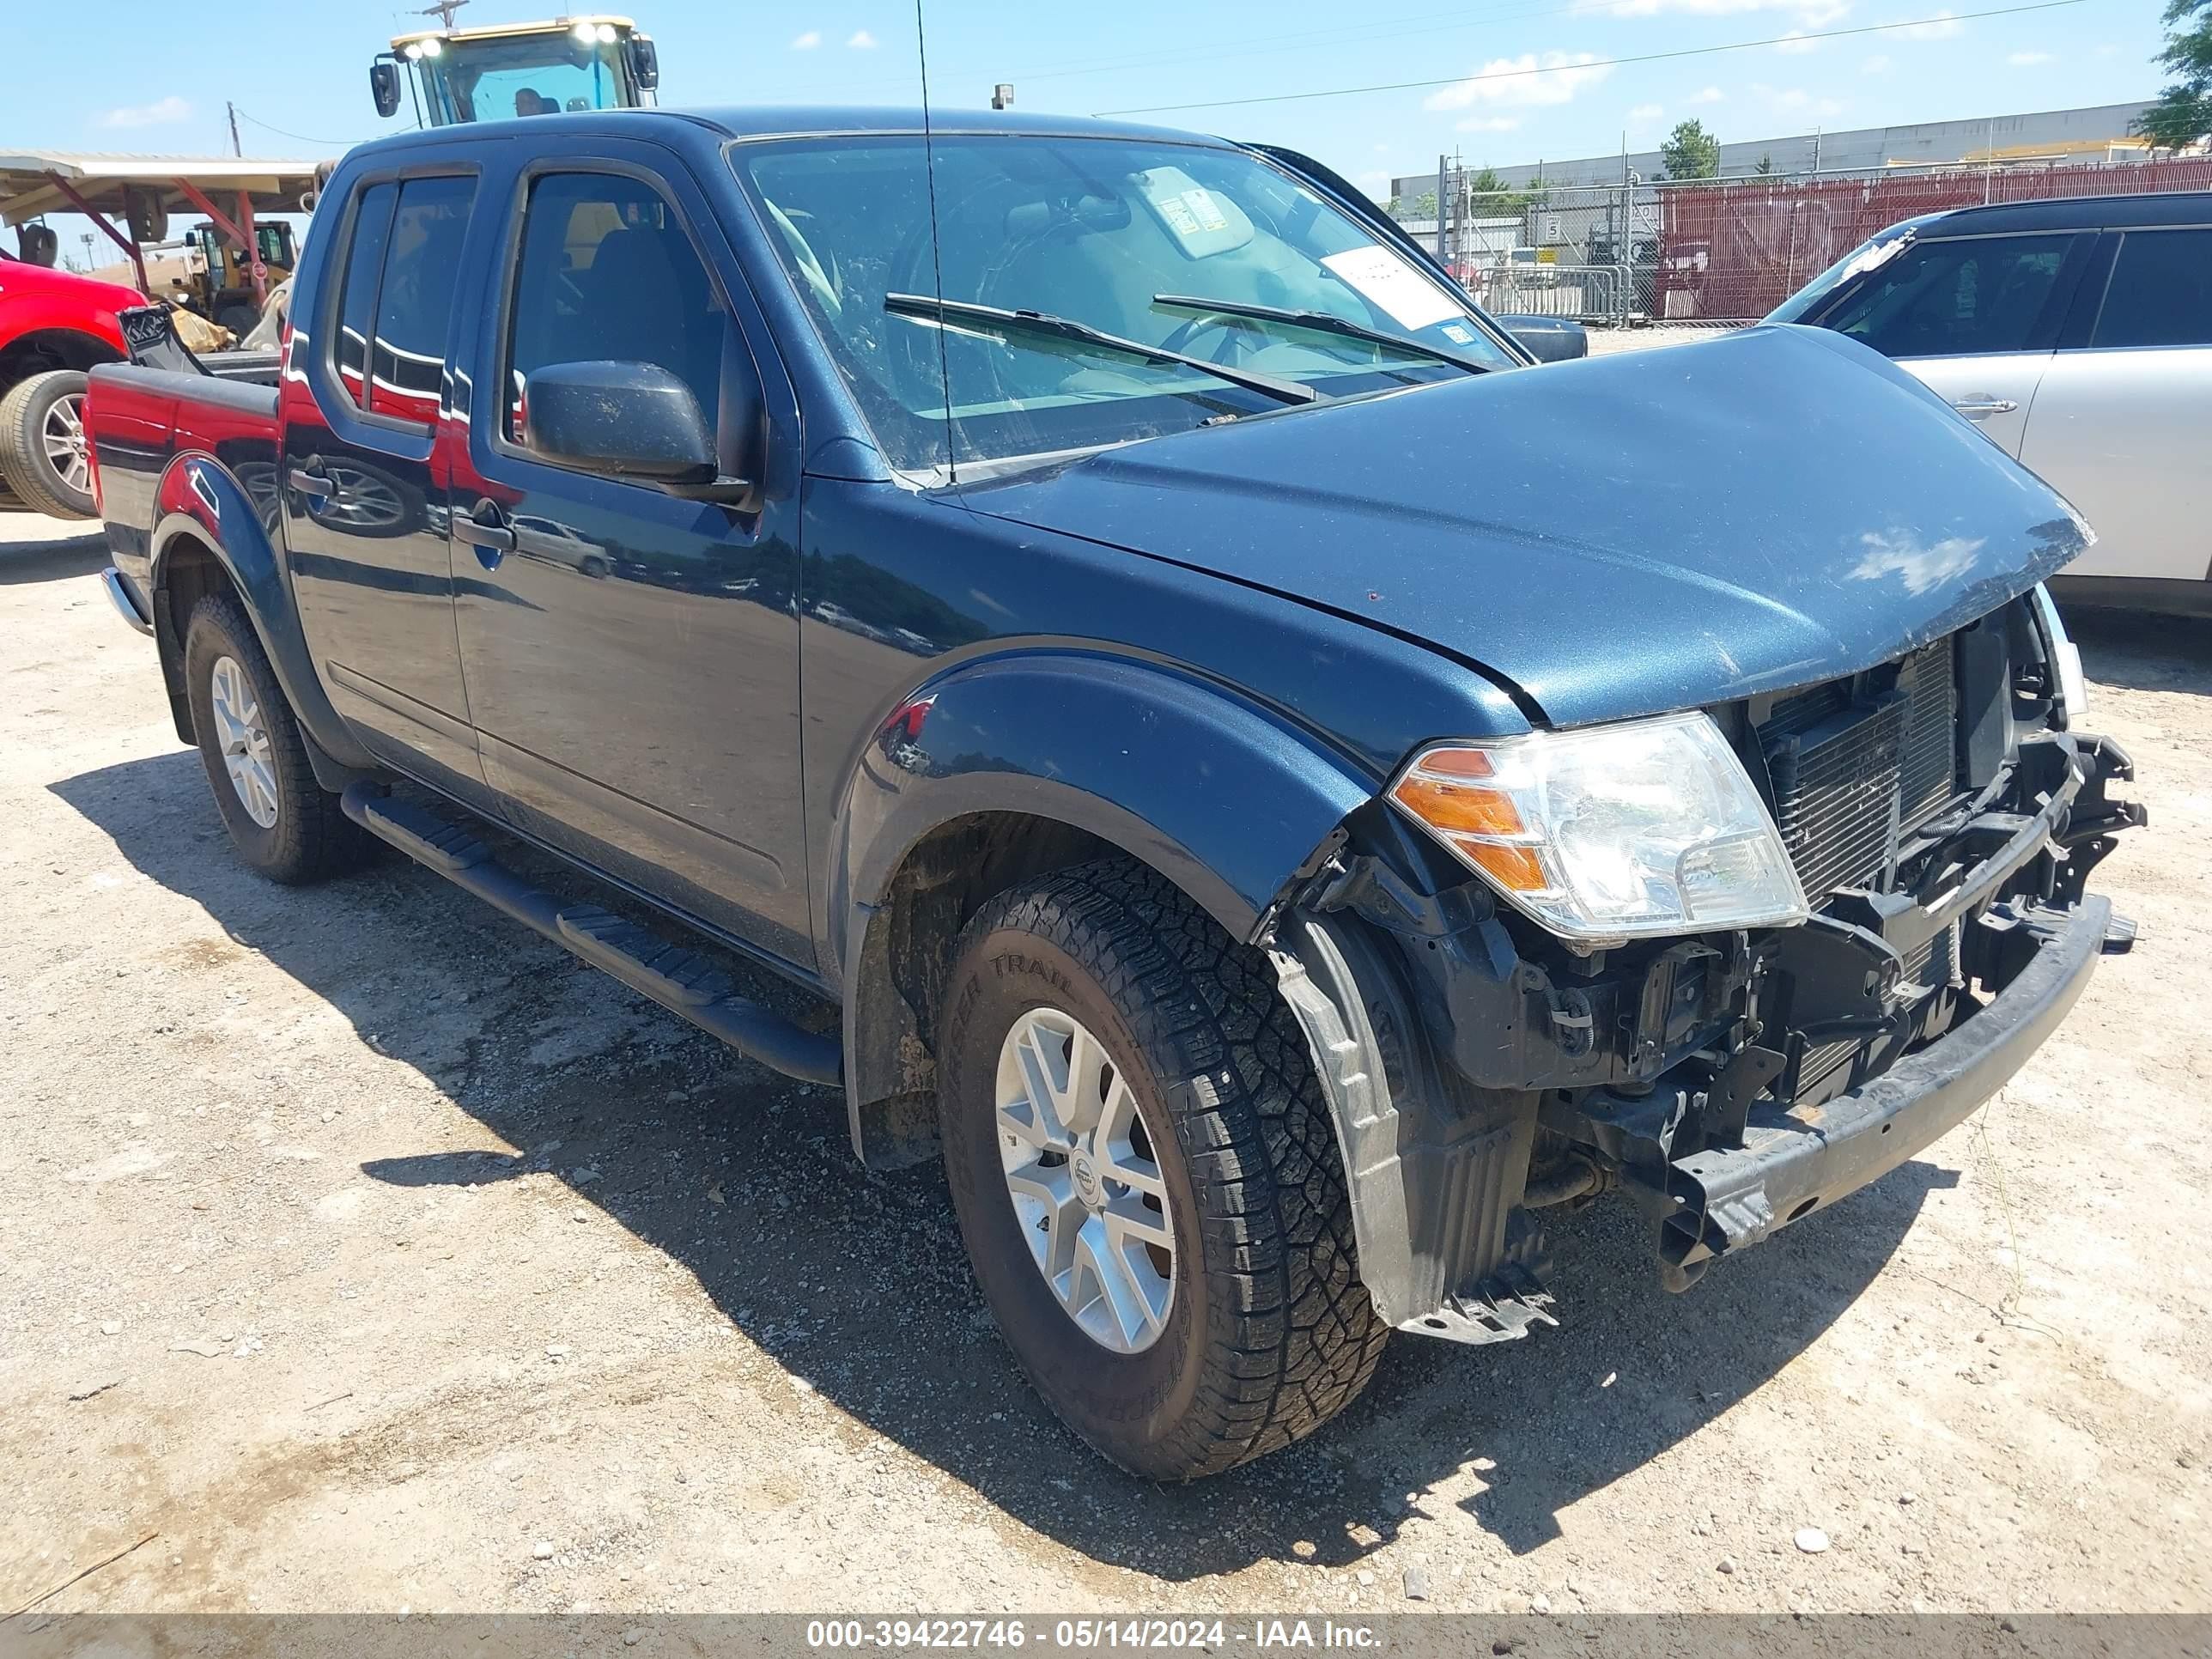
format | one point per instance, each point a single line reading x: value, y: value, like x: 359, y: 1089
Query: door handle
x: 311, y: 484
x: 497, y: 536
x: 1981, y: 405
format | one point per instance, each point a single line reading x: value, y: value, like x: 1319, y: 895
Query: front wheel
x: 1146, y: 1175
x: 44, y: 453
x: 283, y: 822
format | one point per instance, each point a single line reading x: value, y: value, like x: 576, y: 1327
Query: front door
x: 632, y: 658
x: 1973, y: 317
x: 2120, y: 425
x: 363, y: 492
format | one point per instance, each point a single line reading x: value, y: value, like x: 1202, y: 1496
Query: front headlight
x: 1611, y: 832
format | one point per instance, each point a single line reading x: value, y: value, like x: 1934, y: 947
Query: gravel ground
x: 358, y: 1251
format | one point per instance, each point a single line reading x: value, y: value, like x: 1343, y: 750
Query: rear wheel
x: 1146, y: 1175
x: 283, y: 822
x: 44, y: 454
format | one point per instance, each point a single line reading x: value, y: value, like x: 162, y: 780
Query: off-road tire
x: 23, y: 460
x: 1270, y: 1332
x: 313, y: 839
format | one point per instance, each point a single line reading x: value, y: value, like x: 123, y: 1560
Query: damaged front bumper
x: 1728, y: 1085
x: 1795, y: 1161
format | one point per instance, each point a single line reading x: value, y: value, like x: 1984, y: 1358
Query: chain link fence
x: 1724, y: 252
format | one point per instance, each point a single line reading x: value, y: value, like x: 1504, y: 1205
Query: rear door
x: 632, y: 657
x: 362, y: 489
x: 1974, y: 317
x: 2122, y: 424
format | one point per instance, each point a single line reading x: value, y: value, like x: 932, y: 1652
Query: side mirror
x: 384, y: 87
x: 644, y: 63
x: 633, y: 420
x: 1547, y: 339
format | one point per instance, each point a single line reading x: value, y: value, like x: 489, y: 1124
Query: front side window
x: 2161, y: 293
x: 1123, y: 237
x: 415, y: 303
x: 1962, y: 297
x: 606, y: 272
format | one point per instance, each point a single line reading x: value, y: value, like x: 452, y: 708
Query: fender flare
x: 197, y: 496
x: 1226, y: 798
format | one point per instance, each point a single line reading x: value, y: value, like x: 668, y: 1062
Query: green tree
x: 1489, y: 197
x: 1766, y: 165
x: 1691, y: 152
x: 2182, y: 113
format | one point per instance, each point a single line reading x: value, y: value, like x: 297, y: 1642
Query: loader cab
x: 517, y: 70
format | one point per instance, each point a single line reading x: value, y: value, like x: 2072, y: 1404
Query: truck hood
x: 1624, y: 535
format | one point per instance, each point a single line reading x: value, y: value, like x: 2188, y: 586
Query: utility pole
x: 236, y: 149
x: 1443, y: 183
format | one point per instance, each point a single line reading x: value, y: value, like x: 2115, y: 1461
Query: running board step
x: 680, y: 981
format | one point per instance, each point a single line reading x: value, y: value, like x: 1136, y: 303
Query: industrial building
x: 2097, y: 135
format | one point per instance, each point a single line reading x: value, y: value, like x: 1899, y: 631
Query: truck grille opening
x: 1855, y: 769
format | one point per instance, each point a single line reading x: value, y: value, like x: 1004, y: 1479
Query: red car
x: 54, y: 325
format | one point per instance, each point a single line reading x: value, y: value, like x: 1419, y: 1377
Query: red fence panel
x: 1739, y: 249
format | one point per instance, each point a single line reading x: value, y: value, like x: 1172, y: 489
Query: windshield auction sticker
x: 1412, y: 300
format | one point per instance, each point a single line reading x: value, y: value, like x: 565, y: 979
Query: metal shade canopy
x: 105, y: 187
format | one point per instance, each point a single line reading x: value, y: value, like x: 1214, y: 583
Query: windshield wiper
x: 1067, y: 328
x: 1323, y: 322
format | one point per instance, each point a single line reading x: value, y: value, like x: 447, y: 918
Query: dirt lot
x: 370, y: 1253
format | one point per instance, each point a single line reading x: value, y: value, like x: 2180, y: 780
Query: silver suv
x: 2078, y: 336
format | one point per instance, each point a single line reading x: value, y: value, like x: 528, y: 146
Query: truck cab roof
x: 745, y: 123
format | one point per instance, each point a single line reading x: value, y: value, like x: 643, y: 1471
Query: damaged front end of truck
x: 1940, y: 814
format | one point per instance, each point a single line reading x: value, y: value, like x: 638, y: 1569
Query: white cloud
x: 1376, y: 184
x: 1487, y: 123
x: 807, y: 42
x: 1880, y: 64
x: 1942, y: 27
x: 2029, y: 59
x: 1643, y: 112
x: 1794, y: 41
x: 1795, y: 101
x: 1708, y: 95
x: 162, y: 112
x: 862, y: 41
x: 1523, y: 82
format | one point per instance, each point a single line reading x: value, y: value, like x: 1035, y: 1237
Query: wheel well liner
x: 45, y: 349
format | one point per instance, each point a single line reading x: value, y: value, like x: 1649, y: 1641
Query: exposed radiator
x: 1851, y: 774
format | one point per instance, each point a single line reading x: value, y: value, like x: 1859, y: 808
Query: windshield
x: 538, y: 73
x: 1877, y: 251
x: 1098, y: 232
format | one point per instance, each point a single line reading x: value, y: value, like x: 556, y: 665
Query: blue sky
x: 160, y: 86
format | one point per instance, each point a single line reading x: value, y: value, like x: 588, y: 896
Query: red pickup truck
x: 54, y: 327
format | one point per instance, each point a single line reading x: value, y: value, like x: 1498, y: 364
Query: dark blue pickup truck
x: 1283, y: 791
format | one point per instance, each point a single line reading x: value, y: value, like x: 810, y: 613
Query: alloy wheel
x: 243, y: 735
x: 1084, y: 1181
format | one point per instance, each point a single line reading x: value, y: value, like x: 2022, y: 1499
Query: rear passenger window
x: 606, y: 272
x: 414, y: 302
x: 372, y: 227
x: 2161, y: 293
x: 1957, y: 298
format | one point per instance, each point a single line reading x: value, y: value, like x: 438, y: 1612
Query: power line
x: 1594, y: 63
x: 301, y: 137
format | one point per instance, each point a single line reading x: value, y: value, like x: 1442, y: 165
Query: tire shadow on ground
x: 2143, y: 652
x: 49, y: 561
x: 858, y: 1282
